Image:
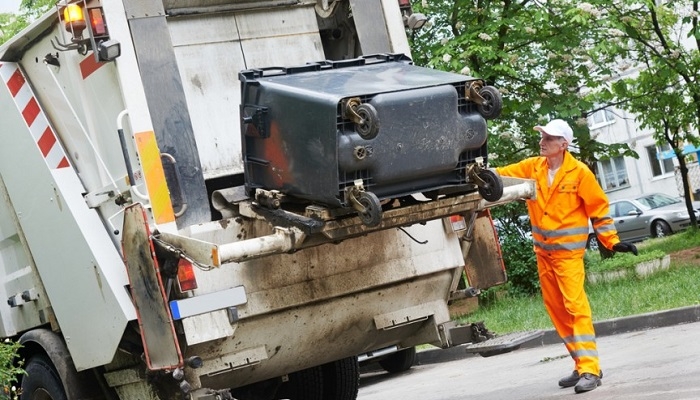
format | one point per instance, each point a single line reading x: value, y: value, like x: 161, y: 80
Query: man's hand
x: 624, y: 247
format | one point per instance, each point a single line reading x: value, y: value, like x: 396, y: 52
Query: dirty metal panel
x: 157, y: 330
x: 484, y: 262
x: 167, y: 103
x: 287, y: 37
x: 232, y: 42
x: 341, y: 326
x: 244, y: 358
x: 204, y: 5
x: 409, y: 315
x: 143, y: 8
x: 371, y: 26
x: 206, y: 327
x: 504, y: 343
x: 416, y: 213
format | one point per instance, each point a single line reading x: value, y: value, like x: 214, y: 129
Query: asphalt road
x: 656, y: 363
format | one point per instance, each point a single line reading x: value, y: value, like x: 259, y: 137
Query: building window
x: 613, y: 173
x: 601, y: 118
x: 660, y: 166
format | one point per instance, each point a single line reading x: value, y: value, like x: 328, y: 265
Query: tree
x: 12, y: 24
x: 534, y: 52
x: 662, y: 40
x: 537, y: 53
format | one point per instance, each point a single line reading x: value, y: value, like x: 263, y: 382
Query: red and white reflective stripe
x: 33, y: 115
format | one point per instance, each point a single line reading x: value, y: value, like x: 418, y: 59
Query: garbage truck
x: 236, y: 199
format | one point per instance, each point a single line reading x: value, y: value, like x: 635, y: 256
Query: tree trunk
x: 683, y: 167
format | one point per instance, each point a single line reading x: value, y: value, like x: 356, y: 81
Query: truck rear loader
x: 218, y: 199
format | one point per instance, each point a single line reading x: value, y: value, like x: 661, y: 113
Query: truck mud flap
x: 503, y: 344
x: 160, y: 344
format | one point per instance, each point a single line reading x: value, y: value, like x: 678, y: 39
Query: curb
x: 684, y: 315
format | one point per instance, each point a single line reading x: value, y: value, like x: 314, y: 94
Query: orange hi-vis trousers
x: 566, y: 302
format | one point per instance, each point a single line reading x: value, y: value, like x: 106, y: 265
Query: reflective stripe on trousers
x: 566, y: 302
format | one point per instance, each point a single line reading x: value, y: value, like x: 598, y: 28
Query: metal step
x: 503, y: 344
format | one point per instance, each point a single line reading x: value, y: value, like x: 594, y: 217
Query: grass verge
x: 679, y: 286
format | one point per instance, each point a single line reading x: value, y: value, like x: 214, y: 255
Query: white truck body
x: 270, y: 300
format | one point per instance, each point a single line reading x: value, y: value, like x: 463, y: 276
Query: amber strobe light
x: 74, y: 20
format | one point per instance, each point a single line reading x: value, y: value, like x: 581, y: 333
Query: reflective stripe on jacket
x: 561, y: 212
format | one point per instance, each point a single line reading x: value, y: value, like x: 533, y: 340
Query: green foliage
x: 516, y: 248
x: 624, y: 261
x: 12, y: 24
x: 677, y: 287
x: 568, y: 59
x: 536, y: 53
x: 8, y: 369
x: 652, y: 51
x: 687, y: 239
x: 673, y: 288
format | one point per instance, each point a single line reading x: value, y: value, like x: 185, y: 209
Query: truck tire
x: 400, y: 361
x: 341, y: 379
x: 306, y: 384
x: 41, y: 381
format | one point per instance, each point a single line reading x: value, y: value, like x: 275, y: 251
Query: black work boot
x: 570, y: 380
x: 588, y: 382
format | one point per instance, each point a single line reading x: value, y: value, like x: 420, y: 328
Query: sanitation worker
x: 568, y: 197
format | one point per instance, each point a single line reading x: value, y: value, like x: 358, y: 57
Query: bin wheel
x: 368, y: 127
x: 490, y: 107
x: 492, y: 189
x: 372, y: 214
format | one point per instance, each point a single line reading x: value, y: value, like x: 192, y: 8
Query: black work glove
x: 624, y: 247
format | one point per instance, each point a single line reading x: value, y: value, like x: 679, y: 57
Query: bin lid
x: 366, y: 79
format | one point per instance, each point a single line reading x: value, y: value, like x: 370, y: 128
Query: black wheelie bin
x: 352, y: 133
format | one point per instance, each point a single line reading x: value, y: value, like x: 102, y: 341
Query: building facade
x: 656, y: 169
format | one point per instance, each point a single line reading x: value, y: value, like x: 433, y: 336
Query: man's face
x: 551, y: 145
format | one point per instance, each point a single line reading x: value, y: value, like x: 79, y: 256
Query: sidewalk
x: 603, y: 328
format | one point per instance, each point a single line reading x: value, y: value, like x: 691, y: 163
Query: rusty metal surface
x: 483, y: 262
x: 157, y: 330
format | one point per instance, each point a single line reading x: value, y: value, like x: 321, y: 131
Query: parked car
x: 650, y: 215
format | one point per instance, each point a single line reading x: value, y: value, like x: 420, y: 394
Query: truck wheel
x: 41, y: 381
x: 341, y: 379
x: 493, y: 188
x: 491, y: 107
x: 372, y: 215
x: 306, y: 384
x: 400, y: 361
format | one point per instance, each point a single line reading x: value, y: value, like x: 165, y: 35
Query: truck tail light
x: 97, y: 22
x: 455, y: 223
x: 185, y: 275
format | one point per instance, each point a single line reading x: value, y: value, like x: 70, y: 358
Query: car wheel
x: 592, y: 243
x: 660, y: 229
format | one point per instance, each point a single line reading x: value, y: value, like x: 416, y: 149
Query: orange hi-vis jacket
x: 560, y: 213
